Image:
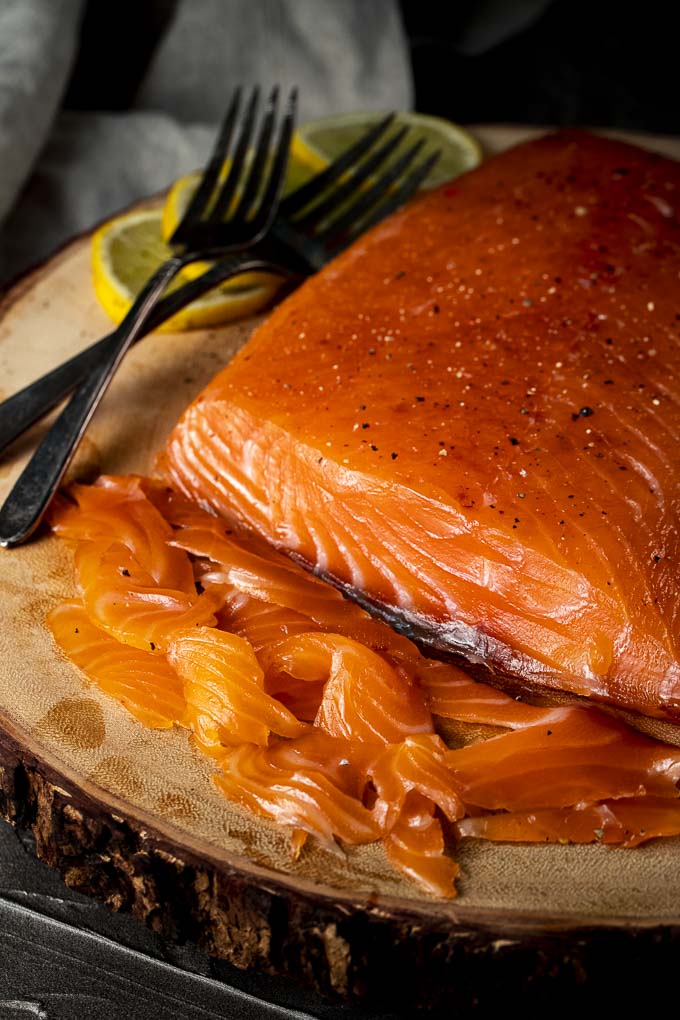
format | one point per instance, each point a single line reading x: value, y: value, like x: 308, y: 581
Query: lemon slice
x: 318, y: 142
x: 127, y: 250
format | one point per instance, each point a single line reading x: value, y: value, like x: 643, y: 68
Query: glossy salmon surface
x: 471, y: 420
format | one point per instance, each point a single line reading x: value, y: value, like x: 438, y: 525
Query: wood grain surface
x: 131, y: 815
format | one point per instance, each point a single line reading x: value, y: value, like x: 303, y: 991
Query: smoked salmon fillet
x: 470, y: 421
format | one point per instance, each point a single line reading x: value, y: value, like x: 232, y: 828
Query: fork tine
x: 367, y: 198
x: 337, y: 196
x: 206, y: 185
x: 228, y: 189
x: 257, y: 166
x: 269, y: 205
x: 397, y: 198
x: 306, y: 193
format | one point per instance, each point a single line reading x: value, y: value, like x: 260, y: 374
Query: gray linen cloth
x: 61, y: 172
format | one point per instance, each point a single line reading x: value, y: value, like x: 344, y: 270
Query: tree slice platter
x: 131, y: 815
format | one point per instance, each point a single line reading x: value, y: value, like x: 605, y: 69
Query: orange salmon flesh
x: 471, y: 420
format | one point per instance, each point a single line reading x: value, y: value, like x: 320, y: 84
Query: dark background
x: 586, y: 62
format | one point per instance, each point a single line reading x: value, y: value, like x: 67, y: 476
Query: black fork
x: 224, y: 218
x: 313, y: 224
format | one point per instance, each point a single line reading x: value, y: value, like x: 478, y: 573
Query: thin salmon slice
x: 117, y: 505
x: 453, y: 694
x: 266, y: 626
x: 471, y: 421
x: 298, y: 795
x: 415, y: 846
x: 224, y: 690
x: 144, y: 683
x: 416, y: 764
x: 124, y: 600
x: 627, y: 822
x: 364, y: 698
x: 574, y: 756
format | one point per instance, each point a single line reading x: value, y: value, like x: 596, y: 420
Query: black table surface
x: 64, y: 956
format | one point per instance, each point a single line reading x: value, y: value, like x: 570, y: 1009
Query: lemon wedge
x: 127, y: 250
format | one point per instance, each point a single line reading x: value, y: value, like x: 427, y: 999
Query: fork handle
x: 28, y: 500
x: 28, y: 405
x: 25, y: 506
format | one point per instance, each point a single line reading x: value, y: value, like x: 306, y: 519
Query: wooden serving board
x: 131, y: 815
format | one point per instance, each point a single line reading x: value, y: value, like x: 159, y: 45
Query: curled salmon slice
x: 364, y: 697
x: 224, y: 690
x: 303, y: 699
x: 345, y: 762
x: 628, y: 822
x: 415, y: 846
x: 411, y: 780
x: 264, y: 624
x: 115, y: 507
x: 124, y: 600
x: 301, y: 796
x: 417, y: 764
x: 144, y: 683
x: 575, y: 756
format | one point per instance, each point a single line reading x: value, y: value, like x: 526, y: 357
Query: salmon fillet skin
x: 470, y: 420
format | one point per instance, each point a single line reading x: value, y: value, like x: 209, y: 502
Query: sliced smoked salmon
x: 629, y: 822
x: 364, y: 698
x: 224, y: 691
x: 574, y: 756
x: 415, y: 846
x: 299, y: 795
x: 319, y: 717
x: 118, y: 506
x: 124, y: 600
x: 471, y: 420
x: 416, y: 764
x: 144, y: 683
